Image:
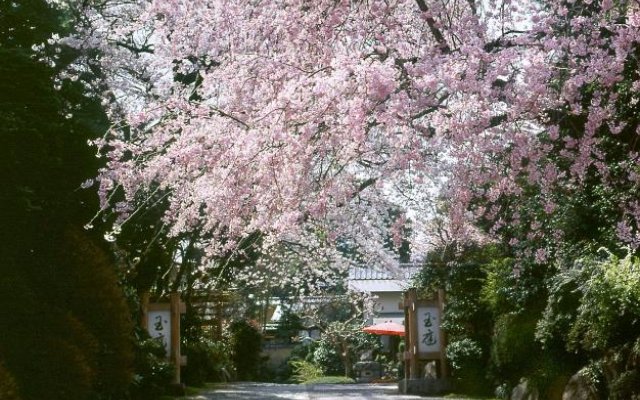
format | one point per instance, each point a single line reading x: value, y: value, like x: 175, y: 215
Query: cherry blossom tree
x: 309, y: 121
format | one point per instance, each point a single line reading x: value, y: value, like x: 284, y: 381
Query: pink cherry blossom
x: 309, y: 121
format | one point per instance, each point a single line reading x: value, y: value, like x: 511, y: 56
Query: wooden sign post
x: 424, y: 340
x: 162, y: 321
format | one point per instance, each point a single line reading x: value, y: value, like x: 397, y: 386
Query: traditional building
x: 386, y: 288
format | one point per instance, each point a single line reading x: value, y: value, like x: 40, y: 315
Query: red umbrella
x: 385, y: 328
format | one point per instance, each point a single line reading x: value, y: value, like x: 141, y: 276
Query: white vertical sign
x: 428, y: 319
x: 159, y: 327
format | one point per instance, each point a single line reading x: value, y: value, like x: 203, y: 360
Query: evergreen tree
x: 66, y: 330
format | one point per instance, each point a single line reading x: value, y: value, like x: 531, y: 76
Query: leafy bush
x: 8, y: 386
x: 208, y: 362
x: 499, y: 289
x: 594, y: 311
x: 626, y: 386
x: 609, y: 311
x: 59, y: 343
x: 289, y: 326
x: 469, y: 361
x: 304, y: 371
x: 514, y: 351
x: 327, y: 358
x: 66, y: 330
x: 246, y: 346
x: 341, y: 344
x: 516, y: 295
x: 330, y: 380
x: 97, y: 294
x: 463, y: 274
x: 153, y: 372
x: 302, y: 351
x: 463, y: 352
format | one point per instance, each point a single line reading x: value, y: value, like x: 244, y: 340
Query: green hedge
x: 335, y: 380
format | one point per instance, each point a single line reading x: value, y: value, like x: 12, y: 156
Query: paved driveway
x: 272, y: 391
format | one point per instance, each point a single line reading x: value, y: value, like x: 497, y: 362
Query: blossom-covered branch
x: 293, y: 118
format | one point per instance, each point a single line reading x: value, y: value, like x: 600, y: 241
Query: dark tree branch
x: 497, y: 120
x: 426, y: 111
x: 365, y: 184
x: 226, y: 115
x: 435, y: 31
x: 472, y: 4
x: 501, y: 43
x: 144, y: 49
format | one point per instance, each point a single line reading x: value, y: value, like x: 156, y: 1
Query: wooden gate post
x: 425, y: 339
x: 444, y: 367
x: 176, y: 359
x: 412, y: 334
x: 165, y: 327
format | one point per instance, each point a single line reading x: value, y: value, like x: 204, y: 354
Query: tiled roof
x: 404, y: 272
x: 368, y: 279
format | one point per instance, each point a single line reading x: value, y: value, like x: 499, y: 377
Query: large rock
x: 579, y: 388
x: 524, y: 391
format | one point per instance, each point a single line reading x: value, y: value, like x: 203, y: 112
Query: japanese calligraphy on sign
x: 159, y: 327
x: 428, y: 329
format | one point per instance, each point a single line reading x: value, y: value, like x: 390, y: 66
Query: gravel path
x: 272, y: 391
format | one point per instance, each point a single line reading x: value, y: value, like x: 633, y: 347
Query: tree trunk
x: 346, y: 361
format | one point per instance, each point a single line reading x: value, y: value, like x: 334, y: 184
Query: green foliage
x: 96, y: 294
x: 625, y: 386
x: 327, y: 358
x: 499, y: 289
x: 594, y: 305
x: 514, y: 350
x: 153, y: 371
x: 302, y: 351
x: 343, y: 342
x: 289, y: 326
x: 66, y: 327
x: 8, y: 386
x: 493, y: 305
x: 209, y: 361
x: 594, y: 311
x: 463, y: 352
x: 455, y: 396
x: 516, y: 294
x: 464, y: 274
x: 516, y: 354
x: 45, y: 350
x: 304, y: 371
x: 246, y: 345
x: 469, y: 360
x: 609, y: 311
x: 66, y: 330
x: 44, y: 132
x: 330, y: 380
